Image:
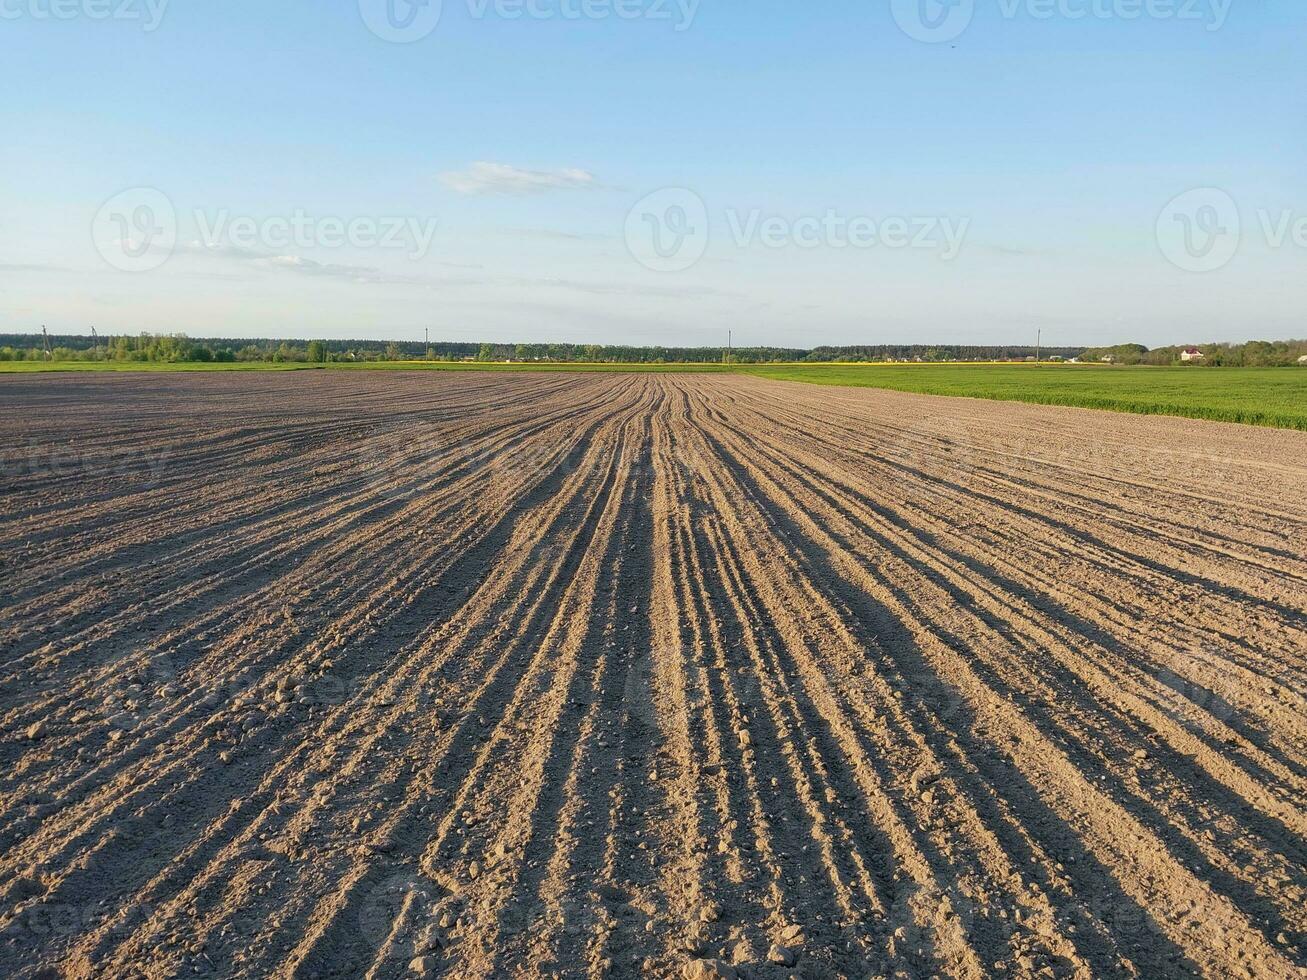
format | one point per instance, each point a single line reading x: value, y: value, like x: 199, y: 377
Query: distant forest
x: 178, y: 347
x: 1254, y: 353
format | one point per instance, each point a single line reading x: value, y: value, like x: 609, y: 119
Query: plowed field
x: 344, y: 675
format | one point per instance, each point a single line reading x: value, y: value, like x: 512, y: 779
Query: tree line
x: 179, y: 348
x: 173, y: 348
x: 1254, y: 353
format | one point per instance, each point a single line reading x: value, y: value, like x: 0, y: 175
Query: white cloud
x: 557, y: 236
x: 20, y: 267
x: 367, y: 275
x: 237, y: 253
x: 500, y: 178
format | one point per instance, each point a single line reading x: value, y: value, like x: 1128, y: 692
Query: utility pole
x: 45, y: 339
x: 95, y: 343
x: 1039, y: 344
x: 727, y: 358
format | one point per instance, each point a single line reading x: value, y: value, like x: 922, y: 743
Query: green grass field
x: 1255, y: 396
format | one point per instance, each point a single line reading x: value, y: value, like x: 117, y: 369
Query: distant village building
x: 1303, y: 359
x: 1192, y: 354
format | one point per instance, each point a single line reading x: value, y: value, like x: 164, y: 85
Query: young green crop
x: 1255, y: 396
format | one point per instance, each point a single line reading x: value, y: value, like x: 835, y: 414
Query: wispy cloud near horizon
x: 484, y: 178
x: 367, y: 275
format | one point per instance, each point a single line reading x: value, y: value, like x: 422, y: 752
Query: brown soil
x: 375, y: 674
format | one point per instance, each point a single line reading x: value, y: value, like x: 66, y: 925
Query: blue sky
x: 1012, y: 178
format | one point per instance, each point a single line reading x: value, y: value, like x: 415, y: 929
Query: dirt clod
x: 709, y: 970
x: 780, y: 955
x: 423, y: 966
